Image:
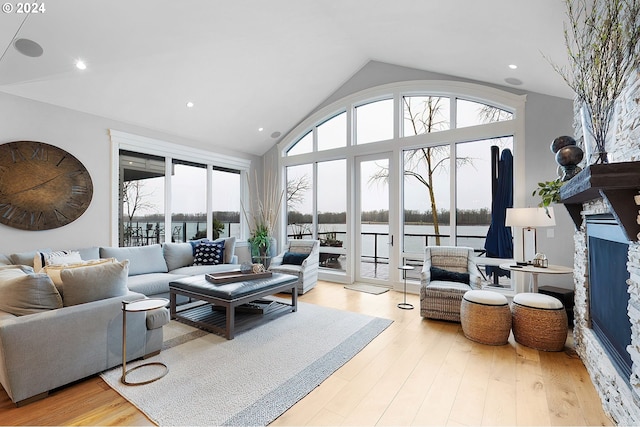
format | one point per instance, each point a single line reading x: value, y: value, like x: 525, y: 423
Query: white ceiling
x: 254, y: 63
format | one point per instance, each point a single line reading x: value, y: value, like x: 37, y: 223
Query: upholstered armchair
x: 448, y: 272
x: 300, y: 258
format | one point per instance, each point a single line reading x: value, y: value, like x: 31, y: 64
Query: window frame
x: 502, y: 99
x: 155, y: 147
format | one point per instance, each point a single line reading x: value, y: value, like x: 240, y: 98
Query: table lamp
x: 528, y: 219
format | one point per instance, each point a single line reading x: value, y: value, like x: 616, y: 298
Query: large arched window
x: 425, y: 144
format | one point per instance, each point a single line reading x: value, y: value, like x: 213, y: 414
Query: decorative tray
x: 235, y: 276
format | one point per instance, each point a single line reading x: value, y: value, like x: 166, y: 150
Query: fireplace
x: 608, y: 290
x: 601, y: 201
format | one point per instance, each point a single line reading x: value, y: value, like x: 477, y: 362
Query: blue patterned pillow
x: 209, y: 253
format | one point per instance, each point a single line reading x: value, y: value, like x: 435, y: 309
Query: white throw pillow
x: 42, y: 259
x: 53, y: 270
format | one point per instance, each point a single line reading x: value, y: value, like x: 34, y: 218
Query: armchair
x: 307, y: 252
x: 441, y: 294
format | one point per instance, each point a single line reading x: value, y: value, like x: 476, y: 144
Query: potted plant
x: 603, y: 40
x: 549, y: 192
x: 262, y: 216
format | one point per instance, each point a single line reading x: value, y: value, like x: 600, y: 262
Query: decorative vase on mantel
x: 594, y: 150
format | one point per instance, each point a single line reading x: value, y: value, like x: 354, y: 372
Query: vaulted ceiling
x: 251, y: 64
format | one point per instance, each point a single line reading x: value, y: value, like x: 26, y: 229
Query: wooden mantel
x: 616, y: 183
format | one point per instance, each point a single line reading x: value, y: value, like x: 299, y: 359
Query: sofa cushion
x: 209, y: 253
x: 24, y: 292
x: 142, y: 259
x: 53, y: 271
x: 447, y: 275
x: 25, y: 258
x: 294, y: 258
x: 152, y: 283
x: 89, y: 253
x: 177, y: 255
x: 95, y: 282
x: 42, y: 259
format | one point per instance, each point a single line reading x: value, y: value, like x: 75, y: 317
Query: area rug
x: 370, y: 289
x: 252, y: 379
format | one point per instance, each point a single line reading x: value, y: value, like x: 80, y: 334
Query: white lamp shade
x: 530, y: 217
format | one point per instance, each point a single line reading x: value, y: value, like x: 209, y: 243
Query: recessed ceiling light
x: 80, y: 65
x: 260, y: 129
x: 513, y: 66
x: 275, y: 134
x: 190, y: 104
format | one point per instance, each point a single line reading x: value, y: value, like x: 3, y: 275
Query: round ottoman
x: 485, y: 317
x: 539, y: 321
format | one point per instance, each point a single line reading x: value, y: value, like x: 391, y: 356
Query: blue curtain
x: 499, y: 241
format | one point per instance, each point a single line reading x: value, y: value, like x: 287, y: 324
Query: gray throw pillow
x: 142, y: 259
x: 177, y: 254
x: 96, y: 282
x: 24, y: 292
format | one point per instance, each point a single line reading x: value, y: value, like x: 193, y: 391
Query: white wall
x: 86, y: 137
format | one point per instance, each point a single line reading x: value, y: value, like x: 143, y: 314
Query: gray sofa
x: 49, y: 343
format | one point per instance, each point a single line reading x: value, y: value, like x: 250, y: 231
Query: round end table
x: 145, y: 304
x: 405, y: 305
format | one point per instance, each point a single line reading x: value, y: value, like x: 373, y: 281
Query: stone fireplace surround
x: 619, y: 400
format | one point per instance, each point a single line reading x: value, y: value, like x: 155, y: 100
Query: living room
x: 96, y: 115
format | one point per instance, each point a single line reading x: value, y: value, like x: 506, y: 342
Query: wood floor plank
x: 416, y: 372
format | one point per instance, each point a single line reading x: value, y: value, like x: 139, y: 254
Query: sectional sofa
x: 63, y: 326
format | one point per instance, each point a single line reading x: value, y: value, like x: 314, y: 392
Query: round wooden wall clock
x: 41, y: 186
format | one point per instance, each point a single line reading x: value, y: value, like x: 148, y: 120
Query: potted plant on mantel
x: 603, y: 44
x: 263, y: 216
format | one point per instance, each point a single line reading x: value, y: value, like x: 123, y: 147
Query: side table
x: 145, y: 304
x: 405, y: 305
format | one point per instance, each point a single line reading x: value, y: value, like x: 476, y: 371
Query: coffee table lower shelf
x: 219, y: 314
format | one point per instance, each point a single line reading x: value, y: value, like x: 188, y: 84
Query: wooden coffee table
x: 227, y: 295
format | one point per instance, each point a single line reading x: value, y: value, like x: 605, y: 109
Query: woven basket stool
x: 485, y: 317
x: 539, y: 321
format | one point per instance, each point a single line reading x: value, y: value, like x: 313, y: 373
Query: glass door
x: 374, y: 238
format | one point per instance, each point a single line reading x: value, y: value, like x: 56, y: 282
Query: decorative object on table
x: 258, y: 268
x: 246, y: 267
x: 528, y: 219
x: 602, y: 39
x: 41, y: 186
x: 404, y: 304
x: 568, y: 155
x: 262, y: 216
x: 549, y: 192
x: 236, y: 276
x: 540, y: 260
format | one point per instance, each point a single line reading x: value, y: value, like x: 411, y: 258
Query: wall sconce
x: 528, y: 219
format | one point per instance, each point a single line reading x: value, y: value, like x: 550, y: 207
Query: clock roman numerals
x: 16, y: 155
x: 39, y: 153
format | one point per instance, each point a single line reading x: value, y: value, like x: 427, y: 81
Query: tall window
x: 141, y: 199
x: 188, y: 208
x: 300, y: 201
x: 225, y: 188
x: 142, y: 216
x: 332, y: 213
x: 441, y: 172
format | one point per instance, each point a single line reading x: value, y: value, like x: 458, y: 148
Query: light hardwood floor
x: 417, y: 372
